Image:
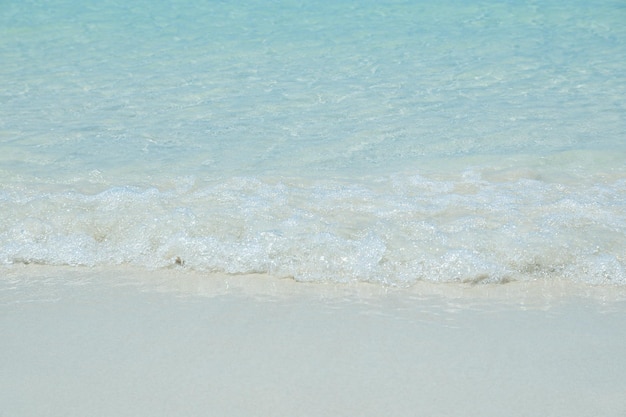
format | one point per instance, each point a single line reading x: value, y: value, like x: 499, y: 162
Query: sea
x: 390, y: 141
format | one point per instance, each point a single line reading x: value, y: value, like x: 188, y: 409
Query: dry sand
x: 121, y: 342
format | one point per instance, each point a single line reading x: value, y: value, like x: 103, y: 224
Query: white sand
x: 88, y: 342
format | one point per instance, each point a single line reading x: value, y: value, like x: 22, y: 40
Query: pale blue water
x: 382, y: 141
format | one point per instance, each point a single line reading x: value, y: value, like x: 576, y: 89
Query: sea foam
x: 397, y: 231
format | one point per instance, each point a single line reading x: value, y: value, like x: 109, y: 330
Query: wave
x: 393, y: 230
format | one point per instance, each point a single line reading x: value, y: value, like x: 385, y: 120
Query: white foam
x: 398, y: 232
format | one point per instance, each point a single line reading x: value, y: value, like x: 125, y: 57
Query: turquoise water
x: 387, y: 141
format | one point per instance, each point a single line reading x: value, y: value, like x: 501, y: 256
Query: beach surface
x: 124, y: 342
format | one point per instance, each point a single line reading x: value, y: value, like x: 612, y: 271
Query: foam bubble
x: 395, y: 230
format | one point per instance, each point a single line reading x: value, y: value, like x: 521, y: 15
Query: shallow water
x: 388, y: 142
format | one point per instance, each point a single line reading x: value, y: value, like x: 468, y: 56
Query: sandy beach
x: 121, y: 342
x: 415, y: 208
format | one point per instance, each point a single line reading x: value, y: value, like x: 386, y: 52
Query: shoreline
x: 117, y: 341
x: 185, y: 282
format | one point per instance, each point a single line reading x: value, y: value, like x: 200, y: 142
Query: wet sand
x: 122, y: 342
